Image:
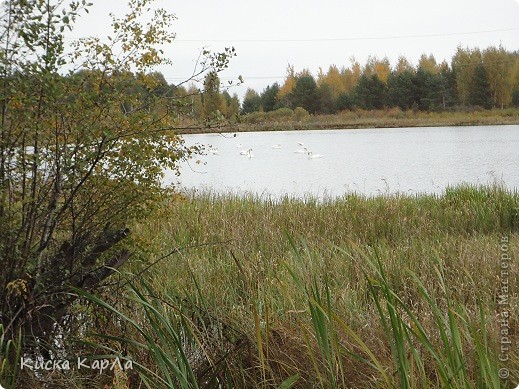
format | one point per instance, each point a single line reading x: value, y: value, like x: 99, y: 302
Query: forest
x: 475, y: 78
x: 485, y: 79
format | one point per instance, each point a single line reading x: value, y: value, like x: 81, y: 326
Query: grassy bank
x: 356, y: 292
x: 381, y: 292
x: 286, y: 119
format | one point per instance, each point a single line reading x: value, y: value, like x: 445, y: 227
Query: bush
x: 81, y: 159
x: 281, y: 114
x: 300, y: 114
x: 254, y: 117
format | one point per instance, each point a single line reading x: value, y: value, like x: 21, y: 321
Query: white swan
x: 302, y: 151
x: 239, y: 146
x: 214, y: 151
x: 248, y: 153
x: 300, y: 143
x: 278, y: 146
x: 311, y: 155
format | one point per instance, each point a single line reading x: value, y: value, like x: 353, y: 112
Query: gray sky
x: 268, y: 34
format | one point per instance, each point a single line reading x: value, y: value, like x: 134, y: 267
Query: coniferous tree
x: 327, y: 103
x: 479, y: 91
x: 251, y: 102
x: 447, y: 91
x: 400, y: 90
x: 427, y: 89
x: 370, y: 92
x: 269, y: 97
x: 343, y: 102
x: 305, y: 94
x: 515, y: 98
x: 362, y: 92
x: 378, y: 91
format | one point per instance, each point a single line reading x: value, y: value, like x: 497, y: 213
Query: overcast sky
x: 268, y: 34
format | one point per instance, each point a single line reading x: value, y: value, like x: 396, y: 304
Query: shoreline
x: 366, y: 120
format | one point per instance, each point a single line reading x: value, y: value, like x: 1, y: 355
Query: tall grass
x: 452, y: 351
x: 9, y: 357
x: 161, y: 337
x: 394, y: 291
x: 382, y: 292
x: 419, y: 358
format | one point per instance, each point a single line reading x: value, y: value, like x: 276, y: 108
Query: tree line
x: 474, y: 79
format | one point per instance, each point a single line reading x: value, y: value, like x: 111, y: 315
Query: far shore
x: 260, y: 121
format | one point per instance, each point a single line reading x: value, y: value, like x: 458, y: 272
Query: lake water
x: 367, y: 161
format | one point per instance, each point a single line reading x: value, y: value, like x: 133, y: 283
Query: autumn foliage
x: 484, y: 79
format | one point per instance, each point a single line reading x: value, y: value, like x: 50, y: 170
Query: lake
x: 366, y: 161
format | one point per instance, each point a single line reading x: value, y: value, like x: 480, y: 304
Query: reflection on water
x: 368, y: 161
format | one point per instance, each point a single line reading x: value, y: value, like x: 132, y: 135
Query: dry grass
x: 357, y: 292
x: 238, y: 261
x: 385, y: 118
